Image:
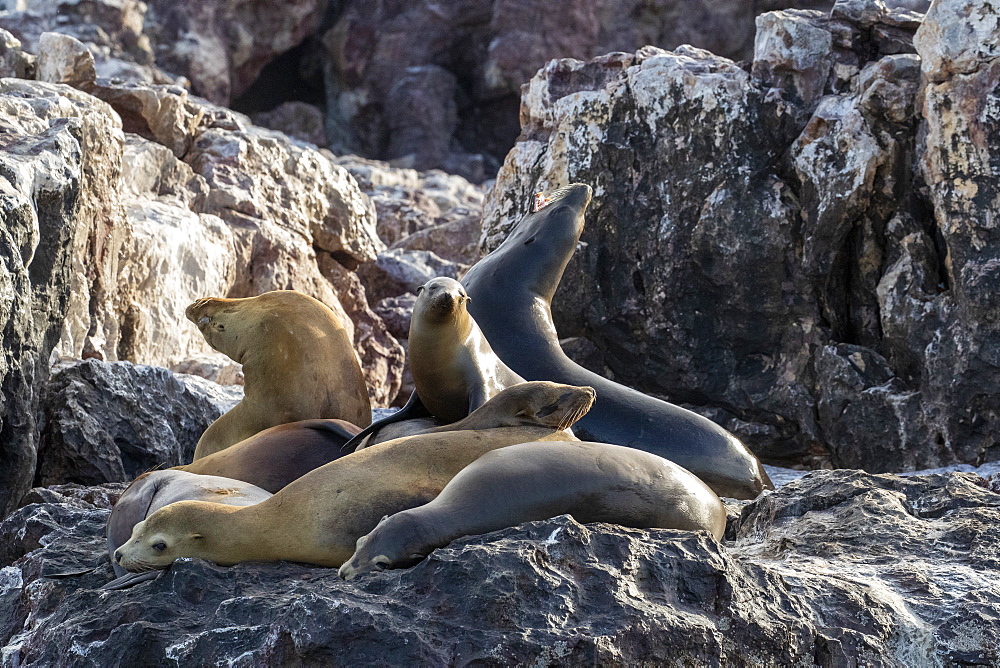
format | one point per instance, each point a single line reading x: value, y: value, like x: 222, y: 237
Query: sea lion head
x: 439, y: 300
x: 541, y: 403
x: 396, y: 542
x: 165, y: 535
x: 542, y: 244
x: 233, y: 326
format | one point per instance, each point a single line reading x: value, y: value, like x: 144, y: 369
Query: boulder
x: 398, y: 271
x: 430, y: 210
x: 111, y: 421
x: 836, y: 568
x: 298, y: 120
x: 796, y: 251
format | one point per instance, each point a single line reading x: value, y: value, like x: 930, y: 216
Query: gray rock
x: 398, y: 271
x: 838, y: 568
x: 111, y: 421
x: 64, y: 59
x: 396, y: 312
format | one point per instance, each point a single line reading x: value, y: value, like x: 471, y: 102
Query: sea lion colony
x: 504, y: 455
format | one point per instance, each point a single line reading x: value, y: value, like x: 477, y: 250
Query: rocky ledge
x: 837, y: 568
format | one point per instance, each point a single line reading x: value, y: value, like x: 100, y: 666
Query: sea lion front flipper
x: 414, y: 408
x: 130, y: 579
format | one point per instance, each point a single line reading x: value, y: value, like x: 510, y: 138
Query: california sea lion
x: 156, y: 489
x: 298, y: 364
x: 318, y: 518
x: 272, y: 458
x: 454, y: 369
x: 593, y: 482
x: 511, y: 291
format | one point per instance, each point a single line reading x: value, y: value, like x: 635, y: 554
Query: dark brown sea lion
x: 593, y: 482
x: 511, y: 291
x: 318, y: 518
x: 298, y: 364
x: 272, y: 458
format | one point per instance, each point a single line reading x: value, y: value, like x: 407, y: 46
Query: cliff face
x: 804, y: 249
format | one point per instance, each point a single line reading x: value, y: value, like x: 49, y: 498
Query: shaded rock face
x: 218, y: 48
x: 792, y: 249
x: 110, y: 422
x: 838, y: 568
x: 435, y: 85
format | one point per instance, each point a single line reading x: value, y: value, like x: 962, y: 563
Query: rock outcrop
x: 802, y: 249
x: 112, y: 421
x: 837, y: 568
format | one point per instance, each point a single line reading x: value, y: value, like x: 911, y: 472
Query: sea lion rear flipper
x: 414, y: 408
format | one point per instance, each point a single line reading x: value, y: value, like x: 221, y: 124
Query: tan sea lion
x: 593, y: 482
x: 298, y: 364
x: 275, y: 457
x: 454, y: 369
x: 156, y: 489
x: 318, y: 518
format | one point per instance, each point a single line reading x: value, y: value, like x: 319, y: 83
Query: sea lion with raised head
x: 593, y: 482
x: 298, y: 364
x: 511, y: 291
x: 318, y: 518
x: 454, y: 369
x: 275, y: 457
x: 156, y: 489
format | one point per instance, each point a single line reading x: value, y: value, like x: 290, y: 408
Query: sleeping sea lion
x: 318, y: 518
x: 298, y: 364
x: 454, y: 369
x: 156, y: 489
x: 511, y: 291
x: 593, y: 482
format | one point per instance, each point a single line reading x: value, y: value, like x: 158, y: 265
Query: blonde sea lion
x: 298, y: 364
x: 593, y: 482
x: 512, y: 290
x: 156, y: 489
x: 318, y: 518
x: 454, y: 369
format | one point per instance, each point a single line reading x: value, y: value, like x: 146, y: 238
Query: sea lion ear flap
x: 197, y: 536
x: 420, y: 289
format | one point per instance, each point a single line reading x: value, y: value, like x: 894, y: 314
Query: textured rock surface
x: 838, y: 568
x: 455, y: 69
x: 42, y: 173
x: 209, y: 205
x: 217, y: 47
x: 109, y: 422
x: 792, y: 250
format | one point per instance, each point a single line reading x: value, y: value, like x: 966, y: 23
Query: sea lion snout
x: 442, y: 294
x: 195, y: 311
x: 118, y: 556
